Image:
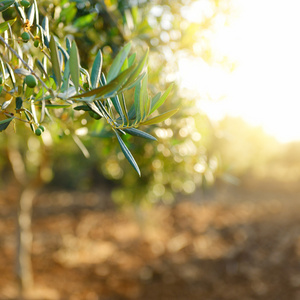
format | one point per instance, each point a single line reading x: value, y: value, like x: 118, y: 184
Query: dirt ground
x: 233, y: 243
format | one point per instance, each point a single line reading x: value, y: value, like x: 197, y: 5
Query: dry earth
x: 233, y: 243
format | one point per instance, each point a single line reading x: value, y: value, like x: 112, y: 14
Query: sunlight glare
x: 263, y: 89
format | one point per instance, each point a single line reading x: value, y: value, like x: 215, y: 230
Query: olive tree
x: 42, y: 83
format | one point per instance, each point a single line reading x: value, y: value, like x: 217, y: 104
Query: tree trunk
x: 24, y: 241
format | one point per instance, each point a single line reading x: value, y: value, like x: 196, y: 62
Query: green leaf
x: 131, y: 82
x: 19, y: 103
x: 139, y: 133
x: 144, y: 98
x: 109, y: 89
x: 96, y: 70
x: 4, y: 25
x: 138, y: 70
x: 55, y: 61
x: 11, y: 74
x: 37, y: 20
x: 4, y: 123
x: 84, y: 20
x: 118, y: 62
x: 127, y: 154
x: 19, y: 10
x: 131, y: 59
x: 82, y: 107
x: 160, y: 118
x: 137, y: 93
x: 124, y: 108
x: 41, y: 68
x: 55, y: 105
x: 66, y: 77
x: 45, y: 26
x: 6, y: 4
x: 116, y: 103
x: 31, y: 14
x: 74, y: 65
x: 156, y: 103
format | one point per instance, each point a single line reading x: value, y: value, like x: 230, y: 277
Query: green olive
x: 36, y: 43
x: 30, y: 81
x: 94, y: 115
x: 38, y: 132
x: 25, y: 3
x: 42, y: 128
x: 25, y: 36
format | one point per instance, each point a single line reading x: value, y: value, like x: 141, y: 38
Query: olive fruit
x: 42, y: 128
x: 38, y: 131
x: 94, y: 115
x: 36, y: 43
x: 30, y: 81
x: 25, y: 36
x: 25, y: 3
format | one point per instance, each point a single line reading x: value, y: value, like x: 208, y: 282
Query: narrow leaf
x: 54, y: 105
x: 74, y: 65
x: 4, y: 123
x: 131, y: 59
x: 118, y: 62
x: 137, y: 93
x: 11, y: 74
x: 41, y: 68
x: 96, y: 70
x: 116, y: 103
x: 31, y: 14
x: 6, y: 4
x: 138, y: 69
x: 156, y: 103
x: 144, y: 98
x: 45, y: 26
x: 139, y: 133
x: 110, y: 88
x: 19, y: 10
x: 55, y: 61
x: 82, y: 107
x: 124, y: 108
x: 4, y: 25
x: 160, y: 118
x: 37, y: 20
x: 127, y: 154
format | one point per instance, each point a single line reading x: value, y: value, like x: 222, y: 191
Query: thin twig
x: 27, y: 66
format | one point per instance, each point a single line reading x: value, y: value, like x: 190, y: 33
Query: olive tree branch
x: 27, y: 66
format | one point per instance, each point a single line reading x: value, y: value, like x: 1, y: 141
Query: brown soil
x: 236, y: 243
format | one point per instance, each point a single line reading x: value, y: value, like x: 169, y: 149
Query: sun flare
x: 263, y: 40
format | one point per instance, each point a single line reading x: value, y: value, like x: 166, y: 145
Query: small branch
x: 27, y: 66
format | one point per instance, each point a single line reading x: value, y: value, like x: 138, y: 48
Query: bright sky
x: 264, y: 88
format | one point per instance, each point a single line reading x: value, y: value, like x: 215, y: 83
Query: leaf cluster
x: 62, y: 83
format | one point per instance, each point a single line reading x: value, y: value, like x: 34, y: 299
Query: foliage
x: 42, y: 81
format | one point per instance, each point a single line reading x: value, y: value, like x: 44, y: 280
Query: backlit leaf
x: 156, y: 103
x: 74, y: 65
x: 118, y: 62
x: 55, y: 61
x: 139, y: 133
x: 127, y: 154
x: 4, y: 25
x: 160, y: 118
x: 96, y: 70
x: 108, y: 89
